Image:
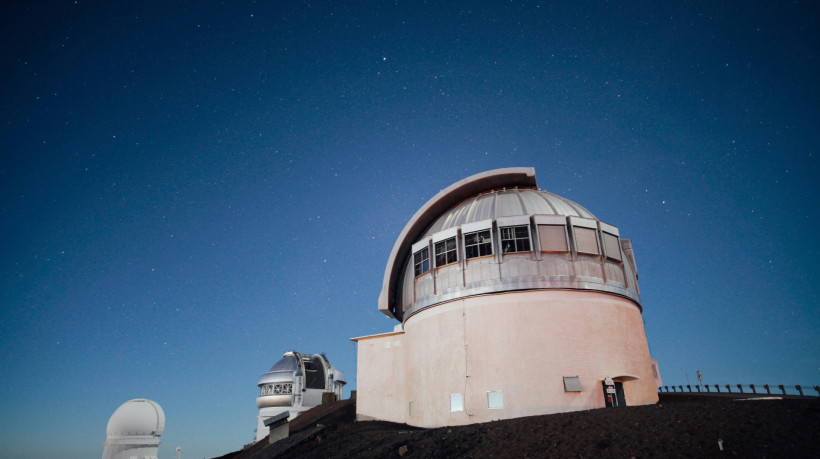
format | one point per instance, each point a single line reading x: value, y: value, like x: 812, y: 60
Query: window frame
x: 478, y: 245
x: 500, y: 396
x: 417, y: 263
x: 516, y: 238
x: 456, y: 403
x: 446, y: 252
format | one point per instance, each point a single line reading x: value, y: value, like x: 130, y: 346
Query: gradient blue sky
x: 188, y: 189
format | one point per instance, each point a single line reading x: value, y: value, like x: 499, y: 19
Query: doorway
x: 614, y: 395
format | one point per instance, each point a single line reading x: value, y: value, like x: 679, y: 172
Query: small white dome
x: 136, y: 418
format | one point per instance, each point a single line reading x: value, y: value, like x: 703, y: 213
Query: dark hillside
x: 678, y: 426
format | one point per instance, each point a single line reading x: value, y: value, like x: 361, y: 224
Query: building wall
x: 520, y: 343
x: 380, y: 392
x: 130, y: 451
x: 262, y: 430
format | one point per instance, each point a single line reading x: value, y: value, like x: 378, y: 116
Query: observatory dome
x: 507, y: 203
x: 136, y: 418
x: 496, y: 232
x: 297, y: 382
x: 513, y: 302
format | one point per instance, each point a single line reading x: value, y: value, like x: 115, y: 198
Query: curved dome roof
x: 282, y: 371
x: 136, y: 418
x: 498, y: 179
x: 505, y: 196
x: 507, y: 203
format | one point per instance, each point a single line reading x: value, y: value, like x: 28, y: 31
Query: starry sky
x: 188, y: 189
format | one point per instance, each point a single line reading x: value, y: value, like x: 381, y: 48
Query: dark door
x: 614, y: 399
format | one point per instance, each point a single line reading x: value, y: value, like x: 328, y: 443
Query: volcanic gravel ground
x: 678, y: 426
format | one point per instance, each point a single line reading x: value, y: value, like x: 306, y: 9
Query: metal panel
x: 507, y: 204
x: 274, y: 400
x: 446, y: 234
x: 572, y: 384
x: 476, y: 226
x: 614, y: 273
x: 553, y: 238
x: 606, y: 227
x: 483, y: 208
x: 420, y: 245
x: 611, y: 246
x: 536, y: 202
x: 550, y: 219
x: 586, y: 240
x: 561, y: 206
x: 516, y: 220
x: 583, y: 222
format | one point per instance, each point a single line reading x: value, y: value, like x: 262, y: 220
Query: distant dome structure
x: 513, y: 301
x: 134, y: 430
x: 294, y: 384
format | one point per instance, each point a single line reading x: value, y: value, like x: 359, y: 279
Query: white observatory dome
x: 134, y: 430
x: 136, y: 418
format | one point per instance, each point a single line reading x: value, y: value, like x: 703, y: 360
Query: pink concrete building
x: 512, y: 302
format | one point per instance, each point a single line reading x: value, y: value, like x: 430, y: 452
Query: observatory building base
x: 503, y: 356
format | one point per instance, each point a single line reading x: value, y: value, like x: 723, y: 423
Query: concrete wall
x: 130, y: 451
x: 381, y: 378
x: 520, y: 343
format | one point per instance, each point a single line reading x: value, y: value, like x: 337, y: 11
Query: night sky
x: 188, y: 189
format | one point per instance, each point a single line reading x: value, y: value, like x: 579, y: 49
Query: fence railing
x: 780, y: 389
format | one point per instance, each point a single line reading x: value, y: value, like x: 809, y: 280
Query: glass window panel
x: 553, y: 238
x: 586, y: 241
x: 478, y: 244
x: 515, y: 239
x: 446, y: 252
x: 421, y: 261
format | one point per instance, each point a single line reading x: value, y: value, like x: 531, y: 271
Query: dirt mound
x: 678, y: 426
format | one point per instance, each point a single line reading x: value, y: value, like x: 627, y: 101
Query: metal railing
x: 763, y: 389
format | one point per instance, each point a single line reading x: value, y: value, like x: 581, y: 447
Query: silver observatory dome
x: 496, y: 232
x: 295, y: 383
x: 507, y: 203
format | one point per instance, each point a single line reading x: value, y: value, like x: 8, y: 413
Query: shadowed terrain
x: 680, y: 425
